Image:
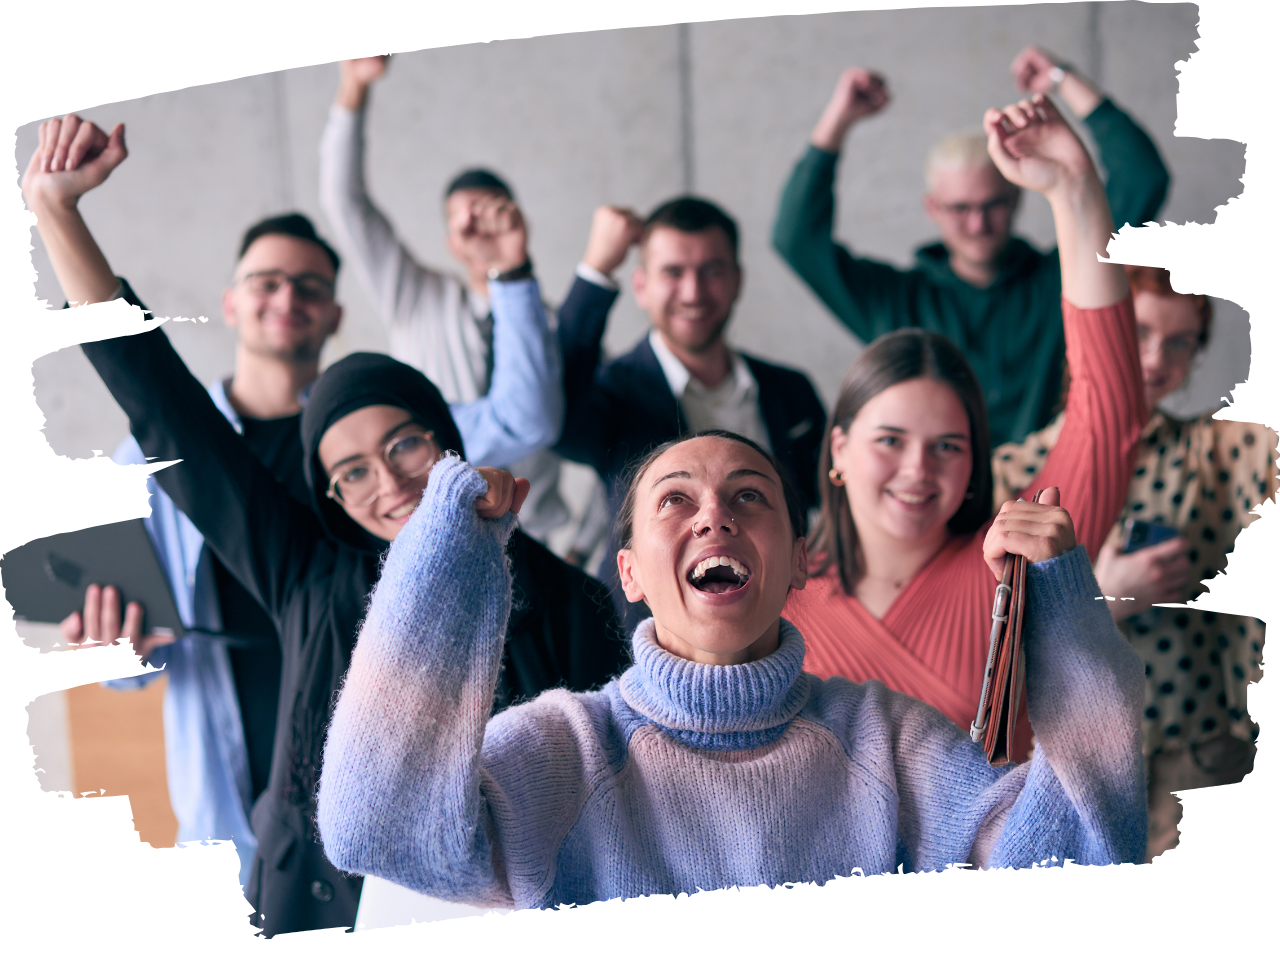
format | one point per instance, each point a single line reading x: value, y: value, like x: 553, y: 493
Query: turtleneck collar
x: 713, y: 707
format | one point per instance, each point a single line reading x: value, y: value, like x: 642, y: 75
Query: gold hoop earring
x: 836, y: 477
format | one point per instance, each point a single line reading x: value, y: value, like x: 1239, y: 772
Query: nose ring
x: 697, y: 534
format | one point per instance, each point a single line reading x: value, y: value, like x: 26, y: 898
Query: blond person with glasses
x: 989, y: 292
x: 311, y: 567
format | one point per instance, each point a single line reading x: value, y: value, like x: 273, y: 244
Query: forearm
x: 1092, y: 461
x: 259, y: 532
x: 1084, y: 227
x: 1079, y: 94
x: 524, y: 409
x: 400, y: 791
x: 81, y: 267
x: 1085, y: 794
x: 352, y: 94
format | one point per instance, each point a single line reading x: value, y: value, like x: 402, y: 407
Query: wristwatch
x: 522, y: 272
x: 1058, y: 74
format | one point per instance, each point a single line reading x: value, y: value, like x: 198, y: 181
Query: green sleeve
x: 1137, y: 179
x: 865, y: 295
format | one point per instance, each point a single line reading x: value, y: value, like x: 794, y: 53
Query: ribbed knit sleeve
x: 400, y: 788
x: 1093, y: 460
x: 1085, y: 793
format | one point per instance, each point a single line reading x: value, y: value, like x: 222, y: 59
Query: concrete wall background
x: 629, y: 116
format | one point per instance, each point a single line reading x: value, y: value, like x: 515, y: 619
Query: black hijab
x: 356, y: 381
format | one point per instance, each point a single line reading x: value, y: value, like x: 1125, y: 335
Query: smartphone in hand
x: 1139, y: 534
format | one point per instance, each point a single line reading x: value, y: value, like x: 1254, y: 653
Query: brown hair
x: 892, y: 359
x: 636, y: 470
x: 1156, y: 280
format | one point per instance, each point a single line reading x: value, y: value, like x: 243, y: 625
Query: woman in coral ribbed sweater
x: 902, y: 594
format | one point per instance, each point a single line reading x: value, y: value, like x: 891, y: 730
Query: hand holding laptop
x: 100, y: 623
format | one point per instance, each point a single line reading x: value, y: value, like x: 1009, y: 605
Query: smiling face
x: 973, y: 206
x: 906, y: 461
x: 687, y: 283
x: 283, y: 324
x: 1169, y: 331
x: 357, y: 442
x: 712, y: 551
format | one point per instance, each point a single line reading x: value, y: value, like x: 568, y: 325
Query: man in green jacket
x: 992, y: 294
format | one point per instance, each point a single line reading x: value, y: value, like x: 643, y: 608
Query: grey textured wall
x: 631, y: 117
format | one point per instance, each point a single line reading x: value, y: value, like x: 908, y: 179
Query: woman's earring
x: 837, y: 478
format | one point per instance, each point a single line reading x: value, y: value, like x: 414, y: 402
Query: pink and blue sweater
x: 680, y: 776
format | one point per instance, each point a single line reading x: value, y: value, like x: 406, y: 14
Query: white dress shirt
x: 733, y: 404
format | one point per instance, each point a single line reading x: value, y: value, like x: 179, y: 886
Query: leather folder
x: 1003, y: 681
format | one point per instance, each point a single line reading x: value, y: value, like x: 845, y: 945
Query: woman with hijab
x: 1199, y: 479
x: 901, y: 593
x: 714, y: 761
x: 372, y: 430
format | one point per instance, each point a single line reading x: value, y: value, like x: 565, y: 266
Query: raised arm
x: 1137, y: 179
x: 863, y: 294
x: 1083, y: 795
x: 404, y: 794
x: 1093, y: 459
x: 395, y: 280
x: 258, y: 530
x: 582, y: 317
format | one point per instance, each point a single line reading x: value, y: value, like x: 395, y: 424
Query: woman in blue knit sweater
x: 714, y: 761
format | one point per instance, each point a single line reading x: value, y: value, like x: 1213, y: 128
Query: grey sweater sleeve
x: 402, y: 289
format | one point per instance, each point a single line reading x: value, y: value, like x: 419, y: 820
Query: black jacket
x: 616, y: 412
x: 315, y: 584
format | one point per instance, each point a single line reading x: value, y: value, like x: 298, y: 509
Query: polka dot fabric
x: 1202, y: 476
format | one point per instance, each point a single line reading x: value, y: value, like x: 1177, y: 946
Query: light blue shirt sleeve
x: 524, y: 409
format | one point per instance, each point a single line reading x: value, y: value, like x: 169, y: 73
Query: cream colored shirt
x: 733, y: 404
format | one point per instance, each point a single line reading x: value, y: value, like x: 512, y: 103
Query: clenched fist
x: 1037, y: 531
x: 613, y: 232
x: 505, y: 493
x: 1033, y: 70
x: 491, y: 233
x: 859, y: 94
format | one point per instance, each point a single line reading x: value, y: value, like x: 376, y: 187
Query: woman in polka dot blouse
x: 1203, y: 477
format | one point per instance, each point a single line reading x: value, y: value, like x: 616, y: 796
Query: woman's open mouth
x: 719, y: 575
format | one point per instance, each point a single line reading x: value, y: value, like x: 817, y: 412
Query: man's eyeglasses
x: 961, y: 211
x: 355, y: 484
x: 307, y: 287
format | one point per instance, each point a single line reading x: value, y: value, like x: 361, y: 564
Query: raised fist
x: 613, y: 231
x: 1037, y: 531
x: 364, y: 70
x: 491, y: 233
x: 73, y: 157
x: 1033, y: 70
x: 1033, y: 147
x: 101, y: 624
x: 505, y: 493
x: 859, y: 93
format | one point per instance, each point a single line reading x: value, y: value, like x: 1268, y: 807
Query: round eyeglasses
x: 355, y: 482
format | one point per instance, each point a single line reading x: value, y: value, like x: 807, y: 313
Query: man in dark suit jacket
x: 683, y: 376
